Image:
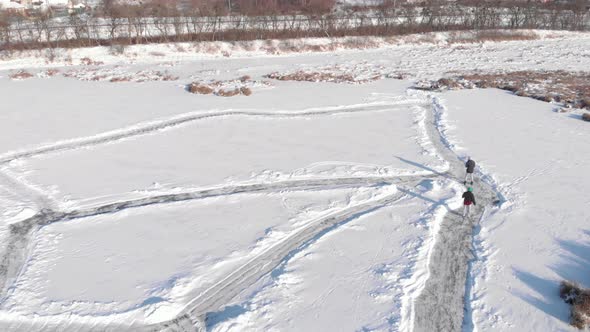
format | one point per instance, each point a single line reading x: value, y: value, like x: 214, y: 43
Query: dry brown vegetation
x: 586, y: 116
x: 51, y: 72
x: 199, y: 88
x: 241, y: 86
x: 579, y: 299
x: 571, y: 89
x: 20, y: 75
x: 313, y: 76
x: 492, y: 35
x: 320, y: 76
x: 228, y: 93
x: 118, y: 75
x: 245, y: 91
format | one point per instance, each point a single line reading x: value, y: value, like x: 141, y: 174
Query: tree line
x: 116, y: 23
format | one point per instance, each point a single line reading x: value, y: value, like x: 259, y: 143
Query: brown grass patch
x: 20, y: 75
x: 303, y: 76
x: 201, y: 89
x: 315, y: 76
x: 571, y: 89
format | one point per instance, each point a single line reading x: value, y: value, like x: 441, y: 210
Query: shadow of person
x: 429, y: 200
x: 429, y: 169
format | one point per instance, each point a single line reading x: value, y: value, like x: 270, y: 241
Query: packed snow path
x: 440, y: 306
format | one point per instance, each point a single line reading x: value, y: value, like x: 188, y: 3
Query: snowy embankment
x: 461, y: 41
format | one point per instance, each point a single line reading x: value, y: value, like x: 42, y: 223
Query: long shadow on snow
x: 576, y: 262
x: 429, y: 200
x: 547, y: 298
x: 424, y: 167
x: 214, y: 318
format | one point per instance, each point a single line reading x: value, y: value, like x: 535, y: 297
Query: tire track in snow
x: 440, y: 303
x: 178, y: 120
x: 192, y: 317
x: 22, y: 233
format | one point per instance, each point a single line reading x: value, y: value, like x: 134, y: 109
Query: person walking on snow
x: 470, y: 165
x: 468, y: 199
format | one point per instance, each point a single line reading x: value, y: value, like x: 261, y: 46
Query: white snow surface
x: 539, y: 161
x: 178, y: 191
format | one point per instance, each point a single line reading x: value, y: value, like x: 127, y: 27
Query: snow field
x: 155, y: 260
x: 167, y: 195
x: 538, y: 160
x: 242, y: 148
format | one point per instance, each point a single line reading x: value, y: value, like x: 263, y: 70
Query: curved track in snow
x: 175, y: 121
x: 215, y: 297
x: 21, y: 232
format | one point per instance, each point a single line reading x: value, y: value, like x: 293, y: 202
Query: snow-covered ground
x: 539, y: 160
x: 305, y: 206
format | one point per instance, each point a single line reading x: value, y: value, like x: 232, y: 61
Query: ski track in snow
x: 434, y: 296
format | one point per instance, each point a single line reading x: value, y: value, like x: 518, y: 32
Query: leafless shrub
x: 586, y: 116
x: 579, y: 299
x: 129, y: 23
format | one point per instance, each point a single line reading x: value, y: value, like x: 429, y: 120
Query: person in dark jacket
x: 470, y: 165
x: 468, y: 199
